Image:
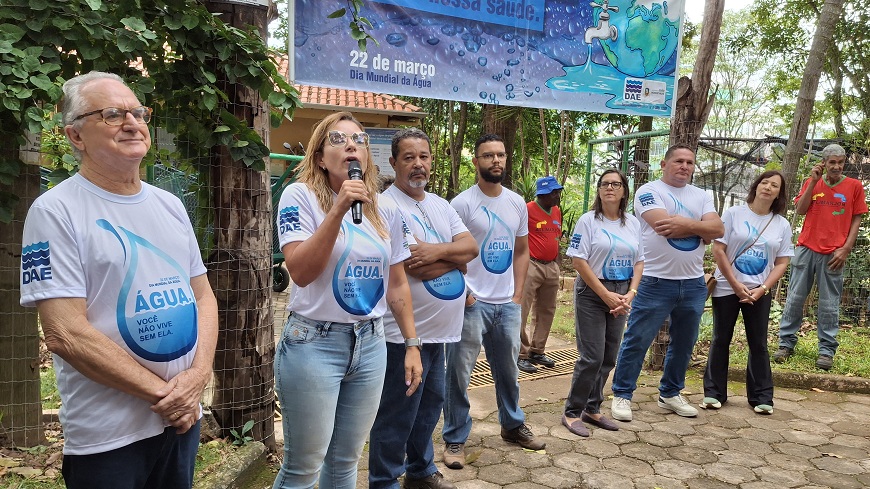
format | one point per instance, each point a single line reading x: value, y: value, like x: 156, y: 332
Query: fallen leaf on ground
x: 816, y: 389
x: 542, y: 399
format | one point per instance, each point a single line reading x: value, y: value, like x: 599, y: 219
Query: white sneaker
x: 620, y: 409
x: 679, y: 405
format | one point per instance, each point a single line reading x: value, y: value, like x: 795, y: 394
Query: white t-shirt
x: 610, y: 248
x: 675, y: 259
x: 495, y: 222
x: 131, y: 257
x: 755, y: 264
x: 353, y: 285
x: 438, y: 303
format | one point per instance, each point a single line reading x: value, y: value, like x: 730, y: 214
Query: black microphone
x: 354, y: 172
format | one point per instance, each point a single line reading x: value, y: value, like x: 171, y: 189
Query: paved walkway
x: 814, y: 439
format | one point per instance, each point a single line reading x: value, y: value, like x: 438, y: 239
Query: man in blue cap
x: 542, y: 279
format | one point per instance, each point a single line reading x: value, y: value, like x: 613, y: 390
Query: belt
x: 542, y: 262
x: 605, y: 281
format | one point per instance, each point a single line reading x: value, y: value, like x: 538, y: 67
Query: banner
x: 617, y: 56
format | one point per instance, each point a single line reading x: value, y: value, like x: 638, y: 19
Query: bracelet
x: 766, y: 290
x: 633, y: 290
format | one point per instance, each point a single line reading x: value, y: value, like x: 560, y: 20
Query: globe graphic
x: 646, y: 40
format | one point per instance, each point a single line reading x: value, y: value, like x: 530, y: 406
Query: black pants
x: 759, y: 379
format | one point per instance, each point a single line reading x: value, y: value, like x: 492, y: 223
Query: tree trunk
x: 694, y: 99
x: 641, y: 154
x: 457, y: 139
x: 831, y: 13
x: 503, y: 122
x: 20, y: 401
x: 544, y: 141
x: 240, y: 266
x: 693, y: 105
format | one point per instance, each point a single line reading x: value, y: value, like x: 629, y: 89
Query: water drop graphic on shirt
x: 752, y: 261
x: 496, y: 250
x: 358, y: 283
x: 449, y: 286
x: 156, y: 309
x: 688, y: 243
x: 618, y: 266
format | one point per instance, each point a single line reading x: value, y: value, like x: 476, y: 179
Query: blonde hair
x: 317, y: 179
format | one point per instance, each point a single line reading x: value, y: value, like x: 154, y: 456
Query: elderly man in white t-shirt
x: 114, y: 268
x: 677, y: 220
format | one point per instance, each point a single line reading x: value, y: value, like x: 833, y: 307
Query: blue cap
x: 546, y: 185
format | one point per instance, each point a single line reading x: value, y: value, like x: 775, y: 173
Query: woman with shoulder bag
x: 751, y: 257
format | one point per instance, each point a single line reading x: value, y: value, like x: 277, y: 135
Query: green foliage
x: 243, y: 438
x: 178, y: 58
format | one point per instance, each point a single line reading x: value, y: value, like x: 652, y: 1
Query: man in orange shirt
x: 542, y: 280
x: 833, y: 206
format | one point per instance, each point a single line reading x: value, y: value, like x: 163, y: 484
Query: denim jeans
x: 807, y: 267
x: 497, y: 328
x: 165, y: 461
x: 759, y: 379
x: 328, y: 378
x: 404, y: 425
x: 598, y: 334
x: 658, y: 298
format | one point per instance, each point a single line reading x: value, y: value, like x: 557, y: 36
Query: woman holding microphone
x: 346, y: 270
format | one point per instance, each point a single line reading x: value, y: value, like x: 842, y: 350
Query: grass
x: 851, y: 358
x: 210, y: 456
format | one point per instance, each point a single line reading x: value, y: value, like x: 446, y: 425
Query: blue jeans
x: 497, y: 328
x: 328, y: 378
x: 658, y: 298
x: 404, y: 425
x: 807, y: 267
x: 165, y: 461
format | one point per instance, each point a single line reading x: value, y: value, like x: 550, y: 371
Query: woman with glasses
x: 607, y: 252
x: 331, y: 359
x: 750, y: 258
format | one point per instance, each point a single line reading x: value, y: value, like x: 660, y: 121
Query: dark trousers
x: 759, y: 379
x: 598, y: 336
x: 164, y: 461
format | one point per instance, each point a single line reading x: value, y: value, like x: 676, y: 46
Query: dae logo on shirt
x: 646, y: 199
x: 575, y: 241
x: 288, y: 219
x: 35, y: 263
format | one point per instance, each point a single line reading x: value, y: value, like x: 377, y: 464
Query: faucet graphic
x: 603, y: 30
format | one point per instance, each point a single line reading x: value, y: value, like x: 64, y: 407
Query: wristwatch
x: 409, y: 342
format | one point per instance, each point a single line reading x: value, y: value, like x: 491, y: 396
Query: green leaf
x: 276, y: 98
x: 173, y: 23
x: 209, y: 100
x: 62, y: 23
x: 90, y: 52
x: 11, y: 32
x: 222, y: 128
x: 134, y: 23
x: 338, y: 13
x: 190, y: 22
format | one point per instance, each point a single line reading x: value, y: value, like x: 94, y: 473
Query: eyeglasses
x: 113, y: 116
x: 613, y: 185
x: 338, y: 138
x: 491, y: 156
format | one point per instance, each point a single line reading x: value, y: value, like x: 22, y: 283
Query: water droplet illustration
x: 432, y: 41
x: 396, y: 39
x: 358, y: 284
x: 496, y: 249
x: 158, y: 324
x: 481, y: 61
x: 483, y: 95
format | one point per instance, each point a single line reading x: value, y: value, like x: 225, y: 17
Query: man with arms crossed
x: 114, y: 268
x: 677, y: 219
x: 401, y: 438
x: 498, y: 220
x: 833, y: 206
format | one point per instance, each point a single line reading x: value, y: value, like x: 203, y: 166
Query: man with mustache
x: 833, y: 207
x: 400, y: 441
x: 498, y: 220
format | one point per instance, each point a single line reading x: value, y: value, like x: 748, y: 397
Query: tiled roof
x: 353, y: 99
x: 310, y: 95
